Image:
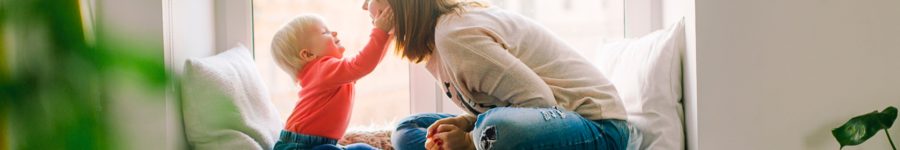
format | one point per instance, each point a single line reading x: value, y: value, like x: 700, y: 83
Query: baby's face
x: 324, y: 42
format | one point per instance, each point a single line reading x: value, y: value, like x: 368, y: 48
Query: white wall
x: 780, y: 74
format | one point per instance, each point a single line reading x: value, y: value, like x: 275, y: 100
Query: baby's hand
x: 385, y: 20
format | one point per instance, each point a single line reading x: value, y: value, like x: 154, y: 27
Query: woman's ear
x: 306, y: 55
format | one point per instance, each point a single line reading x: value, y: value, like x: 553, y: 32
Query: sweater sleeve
x: 347, y: 70
x: 478, y: 59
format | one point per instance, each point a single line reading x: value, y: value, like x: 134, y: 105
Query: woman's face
x: 375, y: 7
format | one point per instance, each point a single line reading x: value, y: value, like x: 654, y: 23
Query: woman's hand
x: 464, y: 122
x: 450, y: 137
x: 450, y: 133
x: 385, y: 20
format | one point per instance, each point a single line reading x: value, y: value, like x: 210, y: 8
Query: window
x: 583, y: 24
x: 386, y: 94
x: 381, y: 97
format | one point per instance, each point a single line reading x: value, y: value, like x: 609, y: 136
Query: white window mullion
x: 426, y: 95
x: 423, y: 91
x: 233, y: 23
x: 642, y: 17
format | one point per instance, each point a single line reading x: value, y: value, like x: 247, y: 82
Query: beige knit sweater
x: 489, y: 57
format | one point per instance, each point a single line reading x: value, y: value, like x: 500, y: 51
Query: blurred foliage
x: 860, y: 128
x: 54, y: 85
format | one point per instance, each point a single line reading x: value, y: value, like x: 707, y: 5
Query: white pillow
x: 226, y: 105
x: 647, y: 73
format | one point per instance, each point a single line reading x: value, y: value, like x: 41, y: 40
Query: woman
x: 523, y: 87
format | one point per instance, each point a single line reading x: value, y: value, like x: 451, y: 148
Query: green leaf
x: 860, y: 128
x: 888, y: 115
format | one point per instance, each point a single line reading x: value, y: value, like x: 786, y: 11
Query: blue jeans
x: 523, y: 128
x: 294, y: 141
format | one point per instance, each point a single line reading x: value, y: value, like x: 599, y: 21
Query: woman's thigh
x: 410, y: 132
x: 539, y: 128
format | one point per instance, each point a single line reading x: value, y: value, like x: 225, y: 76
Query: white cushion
x: 226, y: 105
x: 647, y: 73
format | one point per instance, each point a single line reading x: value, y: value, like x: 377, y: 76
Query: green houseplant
x: 58, y: 85
x: 860, y: 128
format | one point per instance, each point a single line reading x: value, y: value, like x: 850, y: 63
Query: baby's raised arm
x: 352, y: 69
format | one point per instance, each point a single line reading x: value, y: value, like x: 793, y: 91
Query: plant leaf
x: 860, y: 128
x: 888, y: 115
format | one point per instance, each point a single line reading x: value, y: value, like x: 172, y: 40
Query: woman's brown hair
x: 416, y: 20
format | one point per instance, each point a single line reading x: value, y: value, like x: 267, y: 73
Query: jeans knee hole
x: 488, y: 137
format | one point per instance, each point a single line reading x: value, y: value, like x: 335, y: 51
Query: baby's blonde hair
x: 287, y: 43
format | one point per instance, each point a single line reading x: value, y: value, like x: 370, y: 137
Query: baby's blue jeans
x: 294, y: 141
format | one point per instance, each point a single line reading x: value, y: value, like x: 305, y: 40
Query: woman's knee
x: 422, y: 120
x: 412, y: 125
x: 503, y: 121
x: 508, y: 128
x: 521, y: 118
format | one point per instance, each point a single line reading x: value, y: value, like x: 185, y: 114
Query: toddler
x: 312, y: 54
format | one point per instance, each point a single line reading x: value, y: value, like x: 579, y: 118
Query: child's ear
x: 307, y: 55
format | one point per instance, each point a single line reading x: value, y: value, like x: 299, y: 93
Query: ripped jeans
x: 524, y: 128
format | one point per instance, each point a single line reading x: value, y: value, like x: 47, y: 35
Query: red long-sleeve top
x: 326, y: 94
